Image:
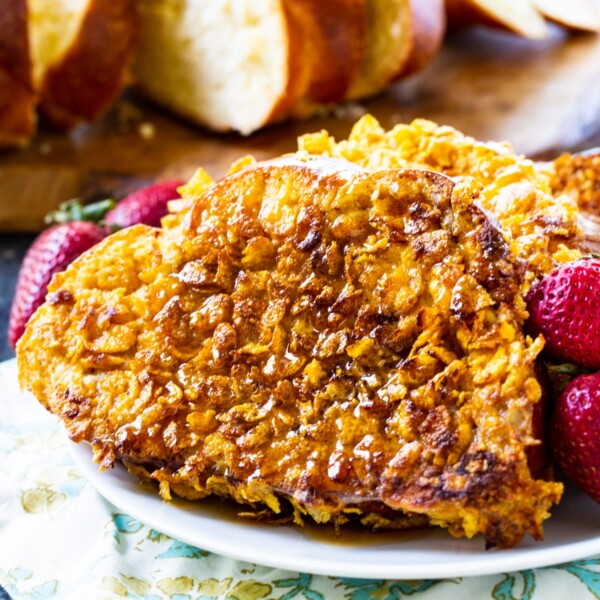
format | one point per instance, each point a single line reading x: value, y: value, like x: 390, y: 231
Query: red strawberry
x: 565, y: 308
x: 575, y: 433
x: 50, y: 253
x: 146, y: 206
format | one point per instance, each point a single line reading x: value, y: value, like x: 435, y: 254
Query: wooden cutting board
x: 543, y: 97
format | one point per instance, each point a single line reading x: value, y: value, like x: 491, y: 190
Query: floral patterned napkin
x: 60, y: 539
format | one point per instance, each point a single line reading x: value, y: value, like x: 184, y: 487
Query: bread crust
x: 17, y: 98
x: 583, y: 15
x: 428, y: 26
x: 336, y: 33
x: 467, y: 12
x: 83, y: 84
x: 372, y: 76
x: 460, y: 13
x: 299, y: 69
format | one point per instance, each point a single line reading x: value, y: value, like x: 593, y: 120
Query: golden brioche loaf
x: 231, y: 64
x: 17, y: 99
x: 81, y: 55
x: 525, y: 17
x: 240, y: 66
x: 67, y: 59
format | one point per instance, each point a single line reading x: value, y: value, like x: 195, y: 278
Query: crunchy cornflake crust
x: 578, y: 176
x: 313, y: 338
x: 538, y: 222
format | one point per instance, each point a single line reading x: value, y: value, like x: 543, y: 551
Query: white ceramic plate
x: 573, y: 532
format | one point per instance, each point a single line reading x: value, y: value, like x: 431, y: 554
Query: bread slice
x: 426, y: 30
x: 576, y: 14
x: 81, y: 51
x: 229, y: 66
x: 241, y: 66
x: 519, y: 16
x: 402, y: 35
x: 336, y: 32
x: 17, y: 99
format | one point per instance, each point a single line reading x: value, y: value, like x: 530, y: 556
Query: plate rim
x: 501, y: 561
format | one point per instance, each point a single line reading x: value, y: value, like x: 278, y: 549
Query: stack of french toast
x: 338, y: 334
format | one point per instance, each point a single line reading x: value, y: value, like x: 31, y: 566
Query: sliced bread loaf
x: 402, y: 36
x: 225, y: 64
x: 81, y: 51
x: 241, y: 65
x: 17, y: 98
x: 577, y: 14
x: 519, y: 16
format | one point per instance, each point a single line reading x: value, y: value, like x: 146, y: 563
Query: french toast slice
x: 314, y: 339
x: 539, y: 224
x: 578, y: 176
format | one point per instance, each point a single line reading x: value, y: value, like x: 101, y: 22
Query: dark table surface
x: 12, y: 250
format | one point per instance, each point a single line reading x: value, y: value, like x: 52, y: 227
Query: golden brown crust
x: 17, y: 98
x: 428, y: 26
x: 83, y: 84
x: 578, y: 175
x: 349, y: 341
x: 336, y: 39
x: 460, y: 13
